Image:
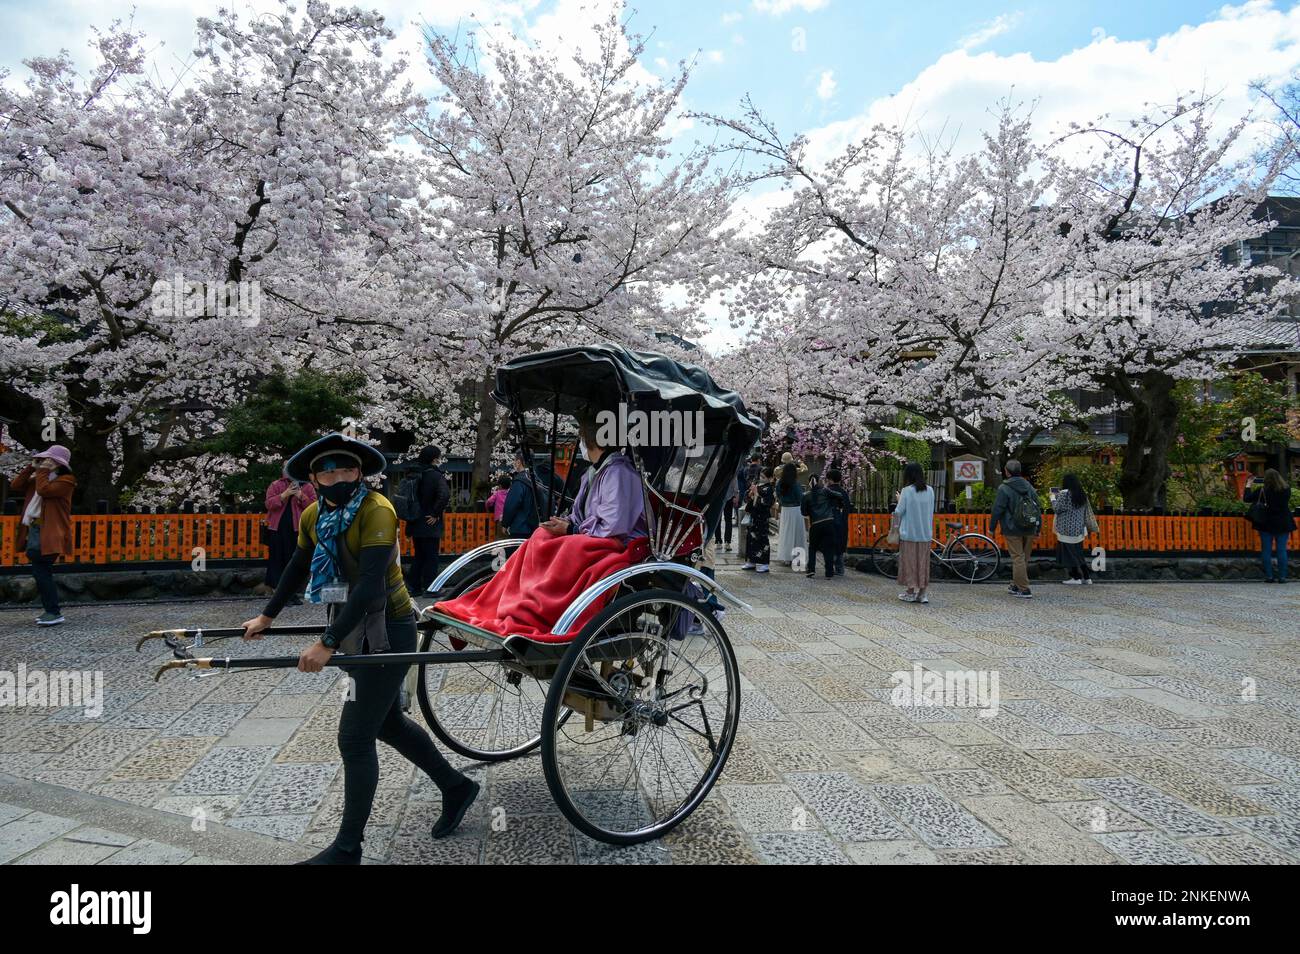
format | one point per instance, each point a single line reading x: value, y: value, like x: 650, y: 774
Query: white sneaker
x: 1088, y: 581
x: 720, y: 614
x: 1072, y: 582
x: 764, y: 568
x: 747, y: 566
x: 907, y: 597
x: 925, y: 597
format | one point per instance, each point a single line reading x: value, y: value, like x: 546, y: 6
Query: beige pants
x: 1020, y: 548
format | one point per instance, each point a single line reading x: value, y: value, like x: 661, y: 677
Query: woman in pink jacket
x: 286, y: 499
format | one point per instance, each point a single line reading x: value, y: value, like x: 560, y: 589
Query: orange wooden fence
x: 130, y: 538
x: 1119, y: 532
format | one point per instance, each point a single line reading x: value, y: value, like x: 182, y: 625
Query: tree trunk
x: 485, y: 432
x: 1151, y: 435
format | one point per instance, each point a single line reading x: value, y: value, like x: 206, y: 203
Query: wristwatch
x: 329, y: 640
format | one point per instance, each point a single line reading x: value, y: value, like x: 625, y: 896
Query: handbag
x: 746, y: 520
x: 893, y: 536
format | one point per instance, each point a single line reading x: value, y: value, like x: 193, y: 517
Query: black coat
x: 1277, y: 510
x: 435, y: 494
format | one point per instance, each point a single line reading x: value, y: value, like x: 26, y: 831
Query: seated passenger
x: 605, y: 532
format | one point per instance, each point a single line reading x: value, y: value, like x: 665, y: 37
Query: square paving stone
x: 225, y: 771
x: 765, y: 808
x: 799, y: 848
x: 1237, y: 850
x: 1036, y: 832
x: 286, y: 789
x: 531, y: 840
x: 288, y: 827
x: 161, y: 760
x: 846, y: 807
x: 891, y: 853
x: 940, y: 822
x: 1163, y: 811
x: 1147, y: 848
x: 207, y: 720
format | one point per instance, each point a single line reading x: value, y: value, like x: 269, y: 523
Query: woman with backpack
x: 915, y: 515
x: 1270, y: 512
x: 1074, y: 521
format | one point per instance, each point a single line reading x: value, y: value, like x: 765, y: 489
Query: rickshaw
x: 636, y: 710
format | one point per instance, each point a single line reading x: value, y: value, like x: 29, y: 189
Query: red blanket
x: 541, y: 579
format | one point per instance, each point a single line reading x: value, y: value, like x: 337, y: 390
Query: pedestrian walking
x: 1270, y: 512
x: 45, y: 530
x: 1074, y: 521
x: 914, y: 513
x: 1017, y: 511
x: 347, y: 557
x: 496, y: 503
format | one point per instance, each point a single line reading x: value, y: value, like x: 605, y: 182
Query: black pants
x: 728, y: 517
x: 43, y: 572
x: 371, y: 713
x: 822, y: 539
x: 283, y: 541
x: 424, y: 568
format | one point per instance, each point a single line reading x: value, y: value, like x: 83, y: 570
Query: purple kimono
x: 610, y: 502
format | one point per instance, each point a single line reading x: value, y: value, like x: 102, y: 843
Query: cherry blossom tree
x: 262, y: 177
x: 552, y: 211
x: 1156, y: 299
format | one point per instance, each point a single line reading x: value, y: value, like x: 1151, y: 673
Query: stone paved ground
x: 1122, y: 737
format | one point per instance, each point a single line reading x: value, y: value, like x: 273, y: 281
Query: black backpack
x: 1027, y: 513
x: 407, y: 499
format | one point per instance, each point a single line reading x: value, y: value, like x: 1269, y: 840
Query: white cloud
x: 779, y: 8
x: 733, y: 17
x: 715, y: 56
x: 826, y: 85
x: 995, y: 27
x: 738, y: 39
x: 955, y: 93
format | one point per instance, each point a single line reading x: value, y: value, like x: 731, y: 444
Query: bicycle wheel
x: 654, y: 690
x: 484, y: 710
x: 972, y: 557
x: 884, y: 557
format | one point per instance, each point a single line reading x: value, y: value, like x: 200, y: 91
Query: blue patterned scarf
x: 331, y: 524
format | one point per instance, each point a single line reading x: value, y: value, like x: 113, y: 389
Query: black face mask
x: 340, y: 493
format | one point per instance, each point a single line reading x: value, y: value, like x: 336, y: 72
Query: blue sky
x: 873, y: 49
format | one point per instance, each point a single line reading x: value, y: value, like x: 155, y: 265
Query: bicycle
x: 970, y: 556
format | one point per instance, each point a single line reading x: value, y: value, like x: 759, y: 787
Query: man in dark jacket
x: 426, y: 533
x: 840, y: 501
x: 1015, y: 496
x: 520, y: 512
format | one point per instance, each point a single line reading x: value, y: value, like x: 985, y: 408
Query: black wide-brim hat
x: 300, y: 465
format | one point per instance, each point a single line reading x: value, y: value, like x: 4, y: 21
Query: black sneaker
x: 455, y: 804
x: 1024, y: 595
x: 49, y: 619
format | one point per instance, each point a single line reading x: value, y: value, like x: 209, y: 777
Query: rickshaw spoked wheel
x: 482, y: 711
x: 640, y: 717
